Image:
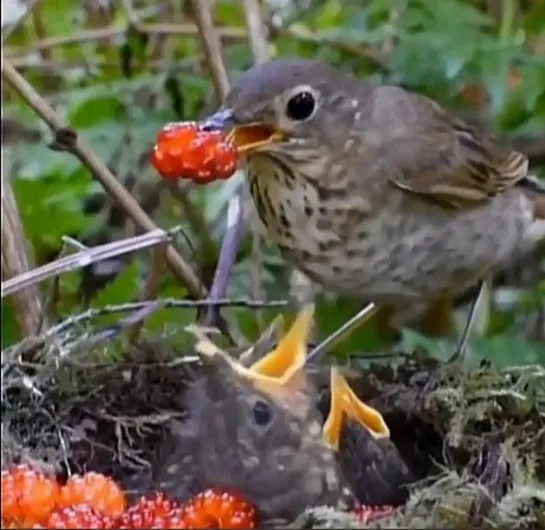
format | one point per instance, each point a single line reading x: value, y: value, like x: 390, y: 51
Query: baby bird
x: 255, y: 430
x: 370, y: 463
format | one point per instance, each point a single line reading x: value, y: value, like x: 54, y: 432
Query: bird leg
x: 459, y: 353
x: 432, y: 380
x: 344, y: 401
x: 437, y: 320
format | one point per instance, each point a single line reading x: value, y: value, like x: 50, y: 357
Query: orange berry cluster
x: 186, y: 151
x: 31, y: 499
x: 366, y: 514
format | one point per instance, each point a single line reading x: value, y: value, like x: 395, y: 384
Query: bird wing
x: 453, y: 164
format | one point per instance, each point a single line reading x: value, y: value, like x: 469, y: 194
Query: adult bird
x: 378, y: 192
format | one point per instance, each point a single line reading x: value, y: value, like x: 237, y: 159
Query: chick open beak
x: 289, y: 357
x: 248, y: 137
x: 344, y: 401
x: 276, y: 372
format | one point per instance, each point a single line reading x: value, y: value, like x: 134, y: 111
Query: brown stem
x: 28, y: 303
x: 260, y: 50
x: 212, y: 47
x: 256, y: 31
x: 189, y: 30
x: 67, y: 140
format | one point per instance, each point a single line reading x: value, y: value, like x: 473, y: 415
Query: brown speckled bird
x: 256, y: 430
x: 376, y: 191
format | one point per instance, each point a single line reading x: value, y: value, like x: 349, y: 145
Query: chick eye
x: 301, y: 106
x: 262, y: 413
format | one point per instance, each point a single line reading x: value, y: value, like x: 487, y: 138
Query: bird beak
x: 290, y: 355
x: 278, y: 371
x: 344, y: 401
x: 248, y: 137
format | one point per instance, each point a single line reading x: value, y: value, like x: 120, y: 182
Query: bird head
x: 291, y: 107
x: 346, y: 405
x: 258, y: 428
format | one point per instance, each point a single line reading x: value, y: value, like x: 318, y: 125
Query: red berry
x: 176, y: 130
x: 173, y: 519
x: 98, y: 491
x: 366, y: 514
x: 78, y: 516
x: 214, y: 508
x: 184, y: 151
x: 143, y: 513
x: 27, y: 495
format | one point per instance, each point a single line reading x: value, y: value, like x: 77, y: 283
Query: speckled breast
x: 407, y: 249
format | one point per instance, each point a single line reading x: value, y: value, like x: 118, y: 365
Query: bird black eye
x: 301, y: 106
x: 262, y: 413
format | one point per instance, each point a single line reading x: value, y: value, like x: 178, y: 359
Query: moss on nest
x: 476, y: 440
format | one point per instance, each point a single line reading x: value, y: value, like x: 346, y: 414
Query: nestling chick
x: 370, y: 463
x: 255, y: 430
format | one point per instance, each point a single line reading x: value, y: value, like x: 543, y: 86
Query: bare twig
x: 40, y: 29
x: 227, y: 257
x: 67, y: 140
x: 135, y: 308
x: 153, y: 281
x: 231, y: 240
x: 82, y: 259
x: 28, y: 304
x: 256, y: 31
x: 195, y: 218
x: 212, y: 47
x: 342, y: 333
x: 29, y: 63
x: 260, y: 50
x: 114, y: 32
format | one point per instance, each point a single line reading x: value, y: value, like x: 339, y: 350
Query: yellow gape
x: 344, y: 401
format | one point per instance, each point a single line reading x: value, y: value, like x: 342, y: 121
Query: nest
x: 476, y: 441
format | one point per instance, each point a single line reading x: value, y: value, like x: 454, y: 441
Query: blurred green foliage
x: 485, y: 59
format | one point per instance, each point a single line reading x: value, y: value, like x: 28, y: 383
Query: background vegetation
x: 116, y: 71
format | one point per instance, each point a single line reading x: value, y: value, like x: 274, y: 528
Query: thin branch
x: 56, y: 65
x: 29, y: 304
x: 212, y: 47
x: 95, y: 35
x: 83, y: 258
x: 66, y: 139
x: 227, y: 257
x: 139, y: 308
x: 152, y: 284
x: 256, y: 31
x: 260, y: 50
x: 342, y: 333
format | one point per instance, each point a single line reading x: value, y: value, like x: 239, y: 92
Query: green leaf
x: 11, y: 333
x: 95, y: 111
x: 53, y: 207
x: 507, y: 350
x: 124, y: 288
